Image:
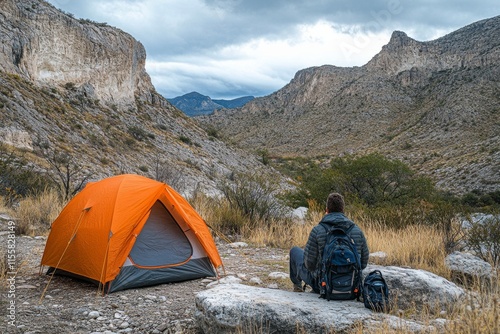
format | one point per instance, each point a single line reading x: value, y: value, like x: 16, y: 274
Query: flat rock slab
x: 228, y: 308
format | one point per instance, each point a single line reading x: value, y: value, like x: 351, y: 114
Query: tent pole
x: 103, y: 269
x: 77, y: 225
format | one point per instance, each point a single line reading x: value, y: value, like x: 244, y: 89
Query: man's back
x: 317, y: 239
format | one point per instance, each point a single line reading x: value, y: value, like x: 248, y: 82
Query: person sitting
x: 305, y: 264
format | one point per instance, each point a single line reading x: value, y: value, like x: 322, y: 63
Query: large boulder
x: 468, y: 268
x: 229, y: 308
x: 418, y: 288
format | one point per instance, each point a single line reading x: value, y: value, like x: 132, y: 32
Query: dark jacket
x: 317, y: 240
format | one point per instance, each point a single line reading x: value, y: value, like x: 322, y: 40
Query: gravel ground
x: 71, y: 306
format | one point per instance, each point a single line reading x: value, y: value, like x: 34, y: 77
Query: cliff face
x: 434, y: 105
x: 79, y: 89
x: 49, y: 47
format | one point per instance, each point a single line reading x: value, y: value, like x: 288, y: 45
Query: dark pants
x: 298, y: 271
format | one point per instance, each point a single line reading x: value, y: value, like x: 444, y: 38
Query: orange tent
x: 129, y: 231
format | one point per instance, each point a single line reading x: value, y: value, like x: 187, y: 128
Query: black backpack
x: 340, y: 276
x: 376, y: 292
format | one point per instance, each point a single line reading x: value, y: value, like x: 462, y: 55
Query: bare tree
x: 169, y: 173
x: 66, y: 172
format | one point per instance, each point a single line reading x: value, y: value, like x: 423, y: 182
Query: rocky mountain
x: 80, y: 89
x: 195, y: 104
x: 235, y: 103
x: 434, y: 105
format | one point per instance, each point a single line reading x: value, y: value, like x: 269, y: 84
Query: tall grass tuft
x: 416, y: 246
x: 36, y: 213
x: 3, y: 264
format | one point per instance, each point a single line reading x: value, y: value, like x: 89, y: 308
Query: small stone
x: 378, y: 255
x: 238, y: 245
x: 93, y: 314
x: 278, y: 275
x: 124, y: 325
x: 26, y: 286
x: 226, y: 280
x: 162, y: 328
x: 255, y: 280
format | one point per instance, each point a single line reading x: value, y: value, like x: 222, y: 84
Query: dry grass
x: 4, y: 208
x: 415, y: 246
x: 36, y: 213
x: 3, y: 264
x: 283, y: 233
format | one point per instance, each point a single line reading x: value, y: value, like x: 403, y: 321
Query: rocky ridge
x: 431, y: 104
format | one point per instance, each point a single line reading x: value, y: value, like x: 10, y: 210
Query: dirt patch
x: 72, y: 306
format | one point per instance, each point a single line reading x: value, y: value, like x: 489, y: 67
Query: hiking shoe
x: 298, y: 288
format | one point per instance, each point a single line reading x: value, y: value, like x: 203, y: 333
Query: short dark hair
x: 335, y: 203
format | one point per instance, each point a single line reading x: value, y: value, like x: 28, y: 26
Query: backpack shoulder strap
x: 328, y: 228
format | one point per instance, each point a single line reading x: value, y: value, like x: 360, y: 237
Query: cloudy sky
x: 232, y: 48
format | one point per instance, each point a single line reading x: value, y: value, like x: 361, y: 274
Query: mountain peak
x: 196, y: 104
x: 399, y: 39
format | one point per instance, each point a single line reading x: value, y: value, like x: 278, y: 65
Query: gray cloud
x: 197, y: 45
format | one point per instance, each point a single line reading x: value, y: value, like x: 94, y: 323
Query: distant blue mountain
x: 235, y: 103
x: 195, y: 104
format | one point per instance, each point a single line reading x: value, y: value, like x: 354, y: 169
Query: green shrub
x: 138, y: 133
x: 264, y: 155
x: 478, y: 199
x: 185, y: 140
x: 372, y: 180
x: 70, y: 85
x: 444, y: 216
x: 484, y: 238
x: 130, y: 142
x: 254, y: 195
x: 17, y: 177
x: 212, y: 132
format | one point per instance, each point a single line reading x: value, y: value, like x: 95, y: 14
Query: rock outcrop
x: 17, y: 138
x: 49, y: 47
